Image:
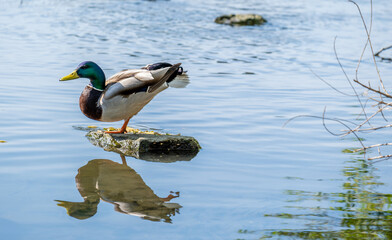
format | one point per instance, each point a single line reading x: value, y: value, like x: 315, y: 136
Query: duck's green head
x: 88, y: 70
x: 79, y: 210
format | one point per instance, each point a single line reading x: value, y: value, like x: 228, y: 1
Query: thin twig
x: 378, y: 101
x: 370, y: 44
x: 386, y: 59
x: 347, y: 78
x: 381, y: 160
x: 382, y: 110
x: 380, y: 157
x: 313, y: 116
x: 367, y: 119
x: 377, y: 54
x: 367, y: 40
x: 374, y: 128
x: 373, y: 146
x: 341, y: 122
x: 372, y: 89
x: 362, y: 112
x: 330, y: 85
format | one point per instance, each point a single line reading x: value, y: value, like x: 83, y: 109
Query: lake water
x: 252, y: 179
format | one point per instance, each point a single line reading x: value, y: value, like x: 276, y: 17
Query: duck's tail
x: 170, y: 74
x: 159, y: 65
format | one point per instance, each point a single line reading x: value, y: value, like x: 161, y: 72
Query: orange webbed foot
x: 171, y: 196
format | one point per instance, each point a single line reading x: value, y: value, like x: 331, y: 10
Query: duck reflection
x: 120, y: 185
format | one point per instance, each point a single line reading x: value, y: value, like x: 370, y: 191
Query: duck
x: 124, y: 94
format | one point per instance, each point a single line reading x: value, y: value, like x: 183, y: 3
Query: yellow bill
x: 72, y: 75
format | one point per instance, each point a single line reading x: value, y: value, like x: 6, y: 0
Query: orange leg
x: 123, y: 128
x: 170, y: 197
x: 124, y: 161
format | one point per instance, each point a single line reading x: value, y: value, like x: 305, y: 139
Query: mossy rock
x: 241, y: 19
x: 150, y: 147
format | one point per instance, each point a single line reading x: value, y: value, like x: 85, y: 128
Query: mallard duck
x: 124, y: 94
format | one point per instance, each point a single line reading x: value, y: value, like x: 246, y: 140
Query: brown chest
x: 89, y: 103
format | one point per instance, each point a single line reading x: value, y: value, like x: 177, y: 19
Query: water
x: 252, y: 179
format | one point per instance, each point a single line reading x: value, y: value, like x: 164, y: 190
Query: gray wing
x: 129, y: 81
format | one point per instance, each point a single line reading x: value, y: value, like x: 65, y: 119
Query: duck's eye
x: 84, y: 67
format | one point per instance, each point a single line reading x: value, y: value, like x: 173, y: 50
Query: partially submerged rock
x: 147, y: 146
x: 241, y: 19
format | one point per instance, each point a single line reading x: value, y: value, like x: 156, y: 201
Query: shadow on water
x: 359, y: 211
x: 122, y: 186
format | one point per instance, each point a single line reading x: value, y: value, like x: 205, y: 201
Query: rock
x: 150, y: 147
x: 241, y: 19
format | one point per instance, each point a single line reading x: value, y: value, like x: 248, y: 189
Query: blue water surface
x: 253, y: 177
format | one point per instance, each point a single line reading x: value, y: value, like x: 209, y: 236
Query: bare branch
x: 377, y: 54
x: 380, y: 157
x: 378, y: 94
x: 375, y: 128
x: 367, y: 119
x: 370, y: 44
x: 372, y: 146
x: 373, y: 90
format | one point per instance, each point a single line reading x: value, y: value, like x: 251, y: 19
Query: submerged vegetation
x: 358, y: 211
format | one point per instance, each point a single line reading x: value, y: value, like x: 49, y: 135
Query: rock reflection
x: 359, y: 211
x: 120, y: 185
